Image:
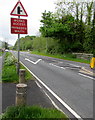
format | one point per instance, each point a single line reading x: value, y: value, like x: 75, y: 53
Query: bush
x: 9, y: 73
x: 10, y: 60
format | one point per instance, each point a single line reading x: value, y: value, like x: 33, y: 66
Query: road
x: 64, y: 81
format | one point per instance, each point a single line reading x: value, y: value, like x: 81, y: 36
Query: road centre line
x: 32, y: 61
x: 57, y: 97
x: 86, y: 76
x: 56, y: 66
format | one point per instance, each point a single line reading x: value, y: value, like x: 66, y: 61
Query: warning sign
x: 19, y: 10
x: 18, y: 26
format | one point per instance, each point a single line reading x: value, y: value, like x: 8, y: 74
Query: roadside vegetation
x: 0, y: 53
x: 32, y: 112
x: 9, y: 71
x: 28, y: 75
x: 68, y: 56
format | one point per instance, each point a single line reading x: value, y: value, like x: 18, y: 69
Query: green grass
x: 70, y: 57
x: 0, y: 53
x: 28, y: 75
x: 29, y: 112
x: 9, y: 73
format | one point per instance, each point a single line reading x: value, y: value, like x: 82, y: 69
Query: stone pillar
x: 21, y: 94
x: 22, y: 76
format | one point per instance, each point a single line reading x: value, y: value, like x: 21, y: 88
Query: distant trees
x: 25, y: 43
x: 5, y: 45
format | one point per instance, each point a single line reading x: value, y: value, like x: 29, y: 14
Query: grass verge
x: 9, y: 72
x: 28, y: 75
x: 9, y: 69
x: 28, y: 112
x: 0, y: 53
x: 70, y: 57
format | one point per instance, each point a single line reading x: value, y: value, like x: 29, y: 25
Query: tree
x: 89, y: 12
x: 25, y: 43
x: 47, y: 20
x: 5, y: 45
x: 61, y: 29
x: 93, y: 30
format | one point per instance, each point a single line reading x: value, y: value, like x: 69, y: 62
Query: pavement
x: 35, y: 95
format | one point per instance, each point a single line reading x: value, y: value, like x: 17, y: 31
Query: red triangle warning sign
x: 19, y: 10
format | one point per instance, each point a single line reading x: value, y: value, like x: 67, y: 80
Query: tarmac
x: 35, y: 95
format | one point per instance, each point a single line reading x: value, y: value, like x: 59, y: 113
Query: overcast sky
x: 34, y: 9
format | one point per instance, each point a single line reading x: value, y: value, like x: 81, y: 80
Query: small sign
x: 18, y: 26
x: 19, y: 10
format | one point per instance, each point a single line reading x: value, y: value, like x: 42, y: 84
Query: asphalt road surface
x: 64, y: 81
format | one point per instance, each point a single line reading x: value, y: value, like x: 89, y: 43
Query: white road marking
x: 53, y: 102
x: 74, y: 65
x: 33, y: 62
x: 55, y: 60
x: 57, y: 97
x: 86, y: 76
x: 56, y: 66
x: 38, y: 84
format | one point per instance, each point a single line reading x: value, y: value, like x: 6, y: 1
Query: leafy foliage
x: 25, y: 43
x: 9, y: 69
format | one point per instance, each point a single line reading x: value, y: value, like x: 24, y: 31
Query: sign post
x: 18, y: 68
x: 18, y: 26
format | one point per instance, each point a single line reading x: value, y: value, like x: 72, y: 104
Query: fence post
x: 21, y: 94
x: 22, y: 76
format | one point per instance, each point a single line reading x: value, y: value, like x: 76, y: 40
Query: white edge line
x: 58, y: 98
x: 86, y: 76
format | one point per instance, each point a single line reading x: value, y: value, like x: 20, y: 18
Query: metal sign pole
x: 18, y: 51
